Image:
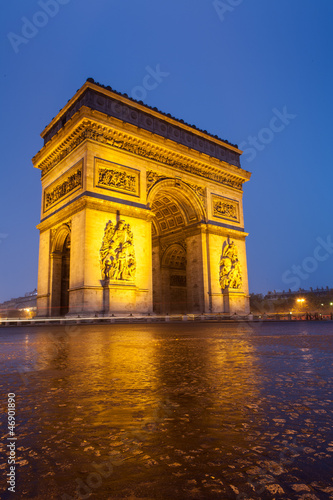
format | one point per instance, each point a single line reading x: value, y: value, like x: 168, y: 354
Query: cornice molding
x: 225, y: 231
x: 89, y: 201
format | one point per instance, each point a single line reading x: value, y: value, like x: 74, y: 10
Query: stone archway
x: 65, y: 267
x: 60, y: 271
x: 177, y: 258
x: 115, y: 159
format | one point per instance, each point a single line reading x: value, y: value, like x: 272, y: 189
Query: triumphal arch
x: 141, y: 213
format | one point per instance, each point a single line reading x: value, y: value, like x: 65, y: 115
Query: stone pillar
x: 236, y: 301
x: 194, y: 273
x: 78, y: 264
x: 119, y: 297
x: 43, y: 292
x: 225, y: 299
x: 157, y: 291
x: 206, y: 273
x: 88, y: 294
x: 165, y: 286
x: 106, y: 297
x: 214, y: 245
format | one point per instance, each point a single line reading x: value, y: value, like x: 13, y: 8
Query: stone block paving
x: 170, y: 411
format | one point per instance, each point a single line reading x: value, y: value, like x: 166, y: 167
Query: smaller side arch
x: 58, y: 240
x: 60, y: 271
x: 174, y: 256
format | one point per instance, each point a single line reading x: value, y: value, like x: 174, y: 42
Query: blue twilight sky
x: 229, y: 67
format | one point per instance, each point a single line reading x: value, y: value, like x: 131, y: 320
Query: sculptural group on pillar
x: 230, y: 268
x: 117, y: 256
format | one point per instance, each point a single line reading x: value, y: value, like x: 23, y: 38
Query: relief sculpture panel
x: 117, y: 177
x: 67, y: 185
x: 117, y: 256
x: 230, y: 268
x: 224, y: 208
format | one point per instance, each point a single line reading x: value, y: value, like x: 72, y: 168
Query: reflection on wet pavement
x: 202, y: 411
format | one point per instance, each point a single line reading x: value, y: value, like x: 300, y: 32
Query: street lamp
x: 300, y: 303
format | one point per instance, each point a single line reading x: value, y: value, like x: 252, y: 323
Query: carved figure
x: 63, y: 189
x: 225, y: 209
x: 118, y: 179
x: 117, y: 257
x: 230, y: 268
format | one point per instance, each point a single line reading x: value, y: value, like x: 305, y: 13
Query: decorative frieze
x: 117, y: 177
x: 224, y: 208
x: 67, y: 185
x: 92, y: 131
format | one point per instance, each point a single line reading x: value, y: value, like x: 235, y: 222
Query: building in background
x: 314, y: 300
x: 21, y: 307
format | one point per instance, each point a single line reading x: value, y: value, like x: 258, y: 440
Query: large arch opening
x: 177, y: 250
x: 60, y: 272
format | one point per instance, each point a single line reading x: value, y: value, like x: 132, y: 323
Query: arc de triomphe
x: 141, y: 212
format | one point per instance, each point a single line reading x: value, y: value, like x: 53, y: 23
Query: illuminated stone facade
x: 141, y: 213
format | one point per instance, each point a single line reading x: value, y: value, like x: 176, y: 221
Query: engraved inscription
x: 92, y: 131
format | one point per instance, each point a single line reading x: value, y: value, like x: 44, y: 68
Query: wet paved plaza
x: 170, y: 411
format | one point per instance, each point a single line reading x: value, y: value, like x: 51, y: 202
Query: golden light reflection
x: 235, y: 367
